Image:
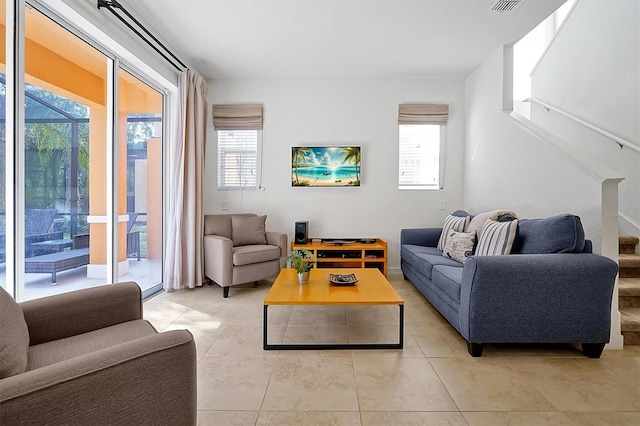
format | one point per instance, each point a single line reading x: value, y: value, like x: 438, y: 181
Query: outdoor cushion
x: 14, y: 341
x: 247, y: 255
x: 557, y: 234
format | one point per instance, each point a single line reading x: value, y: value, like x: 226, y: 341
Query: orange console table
x: 349, y: 254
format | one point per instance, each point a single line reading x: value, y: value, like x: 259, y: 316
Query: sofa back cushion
x: 557, y: 234
x: 14, y: 344
x: 248, y: 230
x: 220, y: 224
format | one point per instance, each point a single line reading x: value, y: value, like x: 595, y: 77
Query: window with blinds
x: 419, y: 154
x: 238, y: 159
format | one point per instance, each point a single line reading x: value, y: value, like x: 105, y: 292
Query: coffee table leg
x: 401, y: 331
x: 264, y: 328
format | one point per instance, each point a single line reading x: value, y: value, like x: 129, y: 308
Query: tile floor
x: 433, y: 381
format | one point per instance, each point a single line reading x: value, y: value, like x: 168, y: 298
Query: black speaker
x: 302, y: 233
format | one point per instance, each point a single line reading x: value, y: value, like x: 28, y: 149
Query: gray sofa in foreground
x: 88, y: 358
x: 551, y: 289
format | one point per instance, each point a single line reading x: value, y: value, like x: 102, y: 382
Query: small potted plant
x: 302, y: 261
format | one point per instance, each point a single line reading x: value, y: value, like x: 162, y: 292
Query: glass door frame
x: 15, y: 131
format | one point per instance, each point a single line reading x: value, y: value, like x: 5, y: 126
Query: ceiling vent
x: 501, y: 6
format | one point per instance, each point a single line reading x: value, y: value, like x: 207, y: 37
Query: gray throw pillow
x: 14, y: 343
x: 248, y: 230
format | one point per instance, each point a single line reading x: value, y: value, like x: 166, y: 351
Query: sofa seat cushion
x: 448, y: 280
x: 407, y: 251
x: 60, y: 350
x: 424, y: 262
x: 247, y: 255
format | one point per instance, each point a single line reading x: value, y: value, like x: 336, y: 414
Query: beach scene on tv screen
x: 325, y: 166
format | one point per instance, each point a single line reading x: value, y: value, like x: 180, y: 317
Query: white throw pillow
x: 459, y: 245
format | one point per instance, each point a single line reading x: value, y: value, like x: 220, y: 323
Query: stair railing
x: 620, y: 141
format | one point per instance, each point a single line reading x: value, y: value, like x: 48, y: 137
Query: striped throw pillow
x: 452, y: 223
x: 496, y: 238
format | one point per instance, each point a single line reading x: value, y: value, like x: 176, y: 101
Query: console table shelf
x: 349, y: 255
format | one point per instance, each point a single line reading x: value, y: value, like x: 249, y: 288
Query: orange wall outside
x: 82, y: 78
x: 154, y: 198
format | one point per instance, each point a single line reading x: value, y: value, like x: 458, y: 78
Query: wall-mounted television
x: 325, y: 166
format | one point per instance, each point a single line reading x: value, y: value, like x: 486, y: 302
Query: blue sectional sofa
x: 550, y: 289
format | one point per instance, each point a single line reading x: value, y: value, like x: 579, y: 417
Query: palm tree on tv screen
x: 299, y: 152
x: 351, y: 154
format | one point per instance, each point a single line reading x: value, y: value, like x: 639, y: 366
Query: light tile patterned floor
x: 433, y: 381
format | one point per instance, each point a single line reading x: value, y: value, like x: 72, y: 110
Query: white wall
x: 103, y: 20
x: 592, y: 70
x: 351, y: 112
x: 507, y: 168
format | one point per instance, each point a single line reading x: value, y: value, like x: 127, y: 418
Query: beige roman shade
x: 423, y: 114
x: 237, y: 117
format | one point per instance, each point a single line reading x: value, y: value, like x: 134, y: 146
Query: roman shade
x: 423, y: 114
x: 237, y: 117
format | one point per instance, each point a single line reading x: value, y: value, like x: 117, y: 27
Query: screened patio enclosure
x: 57, y: 195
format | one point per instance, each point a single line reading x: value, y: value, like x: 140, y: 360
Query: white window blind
x: 238, y: 159
x: 419, y: 154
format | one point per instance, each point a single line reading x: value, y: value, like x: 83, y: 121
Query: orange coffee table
x: 372, y: 288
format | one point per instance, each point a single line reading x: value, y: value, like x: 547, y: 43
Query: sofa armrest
x: 537, y: 298
x: 420, y: 236
x: 218, y: 259
x: 123, y: 384
x: 68, y: 314
x: 278, y: 239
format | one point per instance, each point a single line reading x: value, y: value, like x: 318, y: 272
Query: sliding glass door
x: 65, y: 146
x: 140, y: 179
x: 88, y: 187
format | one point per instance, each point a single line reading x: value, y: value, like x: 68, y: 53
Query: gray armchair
x: 238, y: 249
x: 88, y: 358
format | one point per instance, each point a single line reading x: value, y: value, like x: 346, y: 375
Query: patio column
x: 98, y: 173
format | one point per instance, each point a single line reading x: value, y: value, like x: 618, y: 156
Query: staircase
x: 629, y: 289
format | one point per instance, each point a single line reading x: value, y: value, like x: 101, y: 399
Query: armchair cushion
x: 246, y: 255
x: 59, y: 350
x: 14, y: 343
x: 248, y: 230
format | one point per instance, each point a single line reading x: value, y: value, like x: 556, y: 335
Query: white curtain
x: 185, y: 226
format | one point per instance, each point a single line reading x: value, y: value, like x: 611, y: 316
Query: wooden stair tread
x: 630, y: 319
x: 628, y: 239
x: 629, y: 287
x: 629, y: 260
